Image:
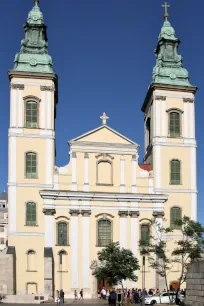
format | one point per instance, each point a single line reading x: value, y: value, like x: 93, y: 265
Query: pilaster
x: 86, y: 186
x: 49, y: 224
x: 134, y: 174
x: 74, y: 237
x: 85, y: 259
x: 122, y: 174
x: 74, y: 171
x: 134, y: 235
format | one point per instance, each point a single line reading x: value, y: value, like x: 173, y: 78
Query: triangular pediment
x: 103, y: 134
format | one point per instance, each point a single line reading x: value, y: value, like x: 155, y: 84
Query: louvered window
x: 174, y: 124
x: 175, y: 176
x: 175, y: 216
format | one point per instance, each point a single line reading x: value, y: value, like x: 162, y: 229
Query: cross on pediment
x: 166, y: 6
x: 104, y: 119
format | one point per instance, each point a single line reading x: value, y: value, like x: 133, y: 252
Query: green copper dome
x: 33, y: 56
x: 169, y: 68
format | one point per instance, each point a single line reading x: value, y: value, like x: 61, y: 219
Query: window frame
x: 180, y: 112
x: 25, y: 160
x: 57, y: 233
x: 97, y: 232
x: 26, y: 223
x: 170, y: 164
x: 146, y: 224
x: 35, y: 99
x: 172, y: 226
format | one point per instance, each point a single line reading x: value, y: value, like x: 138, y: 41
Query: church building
x: 61, y: 217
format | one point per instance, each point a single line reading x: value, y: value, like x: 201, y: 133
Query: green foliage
x: 116, y: 264
x: 188, y: 249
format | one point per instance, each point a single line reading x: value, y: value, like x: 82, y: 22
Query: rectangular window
x: 174, y: 124
x: 31, y: 114
x: 31, y: 214
x: 31, y: 165
x: 175, y: 172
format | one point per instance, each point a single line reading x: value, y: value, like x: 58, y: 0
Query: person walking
x: 61, y: 296
x: 81, y: 294
x: 136, y: 297
x: 112, y: 298
x: 57, y: 298
x: 75, y: 295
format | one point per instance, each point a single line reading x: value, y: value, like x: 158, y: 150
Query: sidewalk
x: 81, y: 302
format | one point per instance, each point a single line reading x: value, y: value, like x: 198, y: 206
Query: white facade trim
x: 86, y: 174
x: 74, y: 251
x: 162, y: 142
x: 49, y: 224
x: 13, y: 108
x: 85, y: 258
x: 25, y: 234
x: 123, y: 232
x: 158, y: 117
x: 104, y: 208
x: 191, y: 107
x: 12, y: 209
x: 42, y: 110
x: 134, y: 175
x: 157, y: 166
x: 30, y: 185
x: 161, y: 190
x: 178, y: 96
x: 164, y: 118
x: 36, y: 84
x: 49, y: 109
x: 103, y: 151
x: 20, y: 109
x: 185, y: 121
x: 49, y: 161
x: 30, y: 135
x: 102, y: 144
x: 97, y: 196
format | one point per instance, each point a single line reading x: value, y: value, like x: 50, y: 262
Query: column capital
x: 17, y: 86
x: 160, y: 98
x: 86, y: 155
x: 191, y: 100
x: 123, y: 213
x: 158, y: 214
x: 86, y: 212
x: 49, y: 211
x: 47, y: 88
x: 134, y: 214
x: 74, y: 155
x: 74, y: 212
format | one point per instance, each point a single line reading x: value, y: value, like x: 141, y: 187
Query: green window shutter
x: 31, y: 214
x: 175, y: 172
x: 145, y: 233
x: 104, y: 232
x: 31, y: 165
x: 174, y: 125
x: 175, y: 216
x: 31, y: 114
x: 62, y: 233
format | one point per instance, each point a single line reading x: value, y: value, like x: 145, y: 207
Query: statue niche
x: 104, y: 169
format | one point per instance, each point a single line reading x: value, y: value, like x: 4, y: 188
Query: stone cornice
x: 99, y: 196
x: 102, y: 144
x: 153, y: 86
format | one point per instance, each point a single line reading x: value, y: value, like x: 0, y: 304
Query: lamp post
x: 143, y: 280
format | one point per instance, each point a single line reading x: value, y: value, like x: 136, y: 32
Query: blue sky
x: 103, y: 52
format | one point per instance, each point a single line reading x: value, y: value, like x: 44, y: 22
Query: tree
x: 116, y: 264
x: 187, y: 250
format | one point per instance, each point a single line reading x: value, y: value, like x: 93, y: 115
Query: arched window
x: 145, y: 233
x: 31, y: 165
x: 175, y: 175
x: 63, y: 261
x: 174, y: 124
x: 31, y: 260
x: 104, y: 232
x: 62, y: 237
x: 148, y: 131
x: 31, y: 114
x: 175, y: 216
x: 31, y: 214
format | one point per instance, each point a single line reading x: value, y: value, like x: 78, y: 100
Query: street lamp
x: 143, y: 280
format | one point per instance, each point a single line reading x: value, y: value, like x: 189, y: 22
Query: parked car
x: 160, y: 298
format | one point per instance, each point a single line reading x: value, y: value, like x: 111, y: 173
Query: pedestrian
x: 75, y: 295
x: 136, y: 297
x: 81, y: 294
x: 150, y: 292
x: 103, y: 293
x: 61, y: 296
x: 119, y: 297
x: 57, y: 298
x: 112, y: 298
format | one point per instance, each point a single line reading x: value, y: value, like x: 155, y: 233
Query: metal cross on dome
x: 36, y: 2
x: 166, y: 6
x: 104, y: 118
